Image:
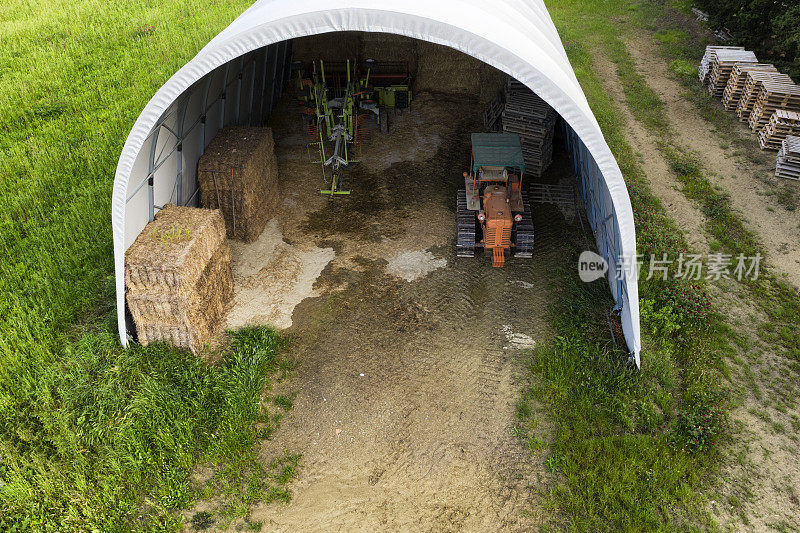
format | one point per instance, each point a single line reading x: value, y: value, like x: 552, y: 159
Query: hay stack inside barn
x: 238, y: 174
x: 433, y: 68
x: 178, y: 276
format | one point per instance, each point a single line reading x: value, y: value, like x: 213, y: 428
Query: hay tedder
x: 492, y: 210
x: 335, y: 106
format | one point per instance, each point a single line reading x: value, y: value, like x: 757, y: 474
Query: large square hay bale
x: 446, y: 70
x: 179, y: 280
x: 333, y: 46
x: 203, y: 305
x: 173, y: 250
x: 238, y: 174
x: 387, y: 47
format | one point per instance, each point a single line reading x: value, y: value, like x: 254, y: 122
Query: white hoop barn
x: 238, y: 76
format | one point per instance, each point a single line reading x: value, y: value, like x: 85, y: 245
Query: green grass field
x: 96, y: 438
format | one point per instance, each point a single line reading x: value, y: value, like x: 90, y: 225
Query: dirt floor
x: 761, y: 480
x: 409, y: 359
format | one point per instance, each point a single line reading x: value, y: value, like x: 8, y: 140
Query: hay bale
x: 179, y: 279
x: 390, y: 48
x: 191, y: 338
x: 238, y: 174
x: 492, y: 82
x: 333, y: 46
x: 204, y: 304
x: 172, y: 251
x: 446, y: 70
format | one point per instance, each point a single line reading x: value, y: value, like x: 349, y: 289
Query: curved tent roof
x: 515, y: 36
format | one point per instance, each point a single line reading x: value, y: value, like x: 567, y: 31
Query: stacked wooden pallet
x: 534, y: 121
x: 781, y: 125
x: 178, y: 279
x: 752, y: 88
x: 735, y: 87
x: 493, y: 114
x: 705, y: 63
x: 788, y: 165
x: 773, y: 96
x: 722, y: 63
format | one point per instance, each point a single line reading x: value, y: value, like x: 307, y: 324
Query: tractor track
x: 406, y: 391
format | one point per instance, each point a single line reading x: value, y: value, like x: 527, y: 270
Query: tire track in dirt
x: 406, y: 394
x: 661, y: 180
x: 776, y: 228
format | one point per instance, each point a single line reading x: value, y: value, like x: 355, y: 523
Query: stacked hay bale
x: 534, y: 121
x: 388, y: 47
x: 446, y: 70
x: 178, y: 276
x: 333, y: 46
x: 238, y: 174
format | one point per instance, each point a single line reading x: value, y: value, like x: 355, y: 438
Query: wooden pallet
x: 781, y: 125
x: 788, y: 163
x: 722, y: 63
x: 493, y: 114
x: 735, y: 87
x: 752, y: 87
x: 514, y: 87
x: 705, y: 63
x: 534, y: 121
x: 771, y: 97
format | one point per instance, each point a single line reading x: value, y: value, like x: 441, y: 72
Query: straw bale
x: 183, y: 336
x: 492, y: 81
x: 203, y: 305
x: 246, y: 215
x: 446, y: 70
x: 238, y: 174
x: 333, y: 46
x: 389, y: 47
x: 237, y: 157
x: 173, y: 250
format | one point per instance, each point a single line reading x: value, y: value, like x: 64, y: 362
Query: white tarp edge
x: 515, y: 36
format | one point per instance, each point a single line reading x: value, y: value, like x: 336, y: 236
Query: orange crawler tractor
x: 493, y: 211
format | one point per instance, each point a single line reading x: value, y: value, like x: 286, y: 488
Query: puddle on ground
x: 411, y: 266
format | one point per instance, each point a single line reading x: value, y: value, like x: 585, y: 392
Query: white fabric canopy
x: 515, y: 36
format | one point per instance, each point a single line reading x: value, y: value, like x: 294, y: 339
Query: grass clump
x: 113, y: 440
x: 633, y: 450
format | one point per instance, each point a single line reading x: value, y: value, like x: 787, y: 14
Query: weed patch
x: 132, y: 424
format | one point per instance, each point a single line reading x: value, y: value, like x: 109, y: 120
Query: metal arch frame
x: 252, y: 89
x: 155, y: 163
x: 264, y: 83
x: 223, y: 97
x: 179, y: 174
x: 272, y: 82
